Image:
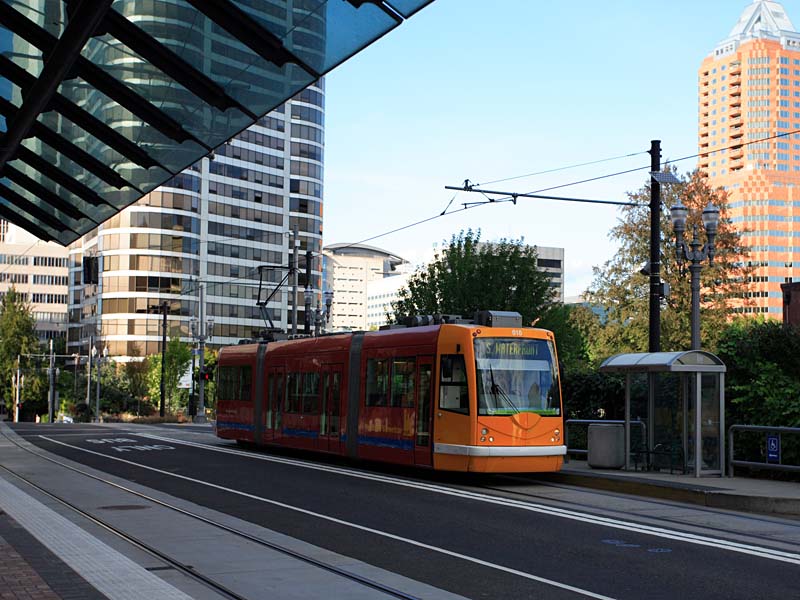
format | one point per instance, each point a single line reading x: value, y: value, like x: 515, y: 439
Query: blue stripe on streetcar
x: 380, y: 442
x: 300, y: 433
x: 233, y: 425
x: 386, y: 442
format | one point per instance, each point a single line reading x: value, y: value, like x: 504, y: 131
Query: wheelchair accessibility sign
x: 773, y: 449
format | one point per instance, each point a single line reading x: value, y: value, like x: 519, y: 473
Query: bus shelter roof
x: 102, y: 101
x: 695, y: 361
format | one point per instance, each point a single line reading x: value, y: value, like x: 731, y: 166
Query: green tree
x: 571, y: 342
x: 469, y: 275
x: 137, y: 372
x: 763, y: 377
x: 622, y: 292
x: 178, y: 358
x: 18, y: 337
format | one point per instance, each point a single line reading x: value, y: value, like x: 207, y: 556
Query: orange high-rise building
x: 749, y: 138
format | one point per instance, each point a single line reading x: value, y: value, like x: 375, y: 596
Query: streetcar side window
x: 245, y: 380
x: 403, y: 375
x: 227, y: 383
x: 310, y: 393
x: 294, y: 392
x: 377, y: 382
x: 453, y: 394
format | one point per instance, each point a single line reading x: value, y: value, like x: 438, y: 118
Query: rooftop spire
x: 762, y: 18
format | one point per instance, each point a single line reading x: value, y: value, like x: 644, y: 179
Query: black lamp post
x: 695, y: 254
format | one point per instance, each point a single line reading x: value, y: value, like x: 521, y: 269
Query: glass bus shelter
x: 680, y: 396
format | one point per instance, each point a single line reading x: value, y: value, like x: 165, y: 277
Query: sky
x: 469, y: 89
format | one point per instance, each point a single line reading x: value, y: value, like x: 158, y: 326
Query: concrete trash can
x: 606, y: 446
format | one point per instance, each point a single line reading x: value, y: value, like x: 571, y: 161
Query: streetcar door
x: 275, y: 394
x: 424, y: 421
x: 331, y: 409
x: 452, y: 420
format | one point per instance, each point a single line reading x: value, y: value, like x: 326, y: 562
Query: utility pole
x: 164, y: 308
x: 97, y: 389
x: 295, y: 258
x: 308, y: 293
x: 51, y: 396
x: 77, y: 358
x: 201, y: 407
x: 655, y: 248
x: 18, y: 390
x: 89, y: 374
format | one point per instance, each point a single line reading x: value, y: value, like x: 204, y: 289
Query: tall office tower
x: 196, y: 243
x: 749, y: 113
x: 37, y: 270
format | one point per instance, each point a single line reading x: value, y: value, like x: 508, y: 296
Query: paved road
x: 487, y: 537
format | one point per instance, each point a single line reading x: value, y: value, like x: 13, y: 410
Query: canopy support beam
x: 87, y: 16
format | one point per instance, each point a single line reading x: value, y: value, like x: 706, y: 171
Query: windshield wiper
x: 498, y: 392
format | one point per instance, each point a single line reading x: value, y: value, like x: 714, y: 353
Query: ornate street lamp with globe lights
x: 695, y: 253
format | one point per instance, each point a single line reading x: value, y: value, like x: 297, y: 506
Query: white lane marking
x: 671, y: 534
x: 385, y: 534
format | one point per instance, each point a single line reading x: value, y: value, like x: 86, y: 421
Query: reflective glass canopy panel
x: 101, y: 101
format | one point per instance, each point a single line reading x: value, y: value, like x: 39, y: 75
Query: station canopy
x: 694, y: 361
x: 101, y: 101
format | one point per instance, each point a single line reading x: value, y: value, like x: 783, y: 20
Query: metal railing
x: 779, y: 466
x: 587, y: 422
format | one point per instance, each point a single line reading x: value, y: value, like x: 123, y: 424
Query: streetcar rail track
x: 186, y: 569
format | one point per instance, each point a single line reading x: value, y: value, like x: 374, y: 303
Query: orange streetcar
x: 445, y: 393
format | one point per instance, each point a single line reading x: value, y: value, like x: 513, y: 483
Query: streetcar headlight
x: 556, y: 435
x: 491, y: 439
x: 484, y: 431
x: 483, y: 439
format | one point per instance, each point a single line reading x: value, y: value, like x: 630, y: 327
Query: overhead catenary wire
x: 444, y: 213
x: 253, y: 270
x: 557, y: 169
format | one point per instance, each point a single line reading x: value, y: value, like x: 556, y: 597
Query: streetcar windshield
x: 516, y: 375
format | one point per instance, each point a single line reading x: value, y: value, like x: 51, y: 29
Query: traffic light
x: 206, y: 375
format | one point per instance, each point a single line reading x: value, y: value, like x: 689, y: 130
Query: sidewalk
x: 733, y: 493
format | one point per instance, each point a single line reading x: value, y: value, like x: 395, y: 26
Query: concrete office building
x: 349, y: 270
x: 382, y: 292
x: 749, y: 103
x: 38, y: 272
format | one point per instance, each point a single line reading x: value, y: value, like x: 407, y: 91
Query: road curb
x: 689, y: 492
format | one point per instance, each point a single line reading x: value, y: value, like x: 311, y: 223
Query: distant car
x: 66, y: 419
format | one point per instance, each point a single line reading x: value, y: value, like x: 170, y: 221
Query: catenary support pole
x: 89, y: 376
x: 655, y: 249
x: 164, y: 307
x: 309, y: 288
x: 51, y: 392
x: 97, y: 389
